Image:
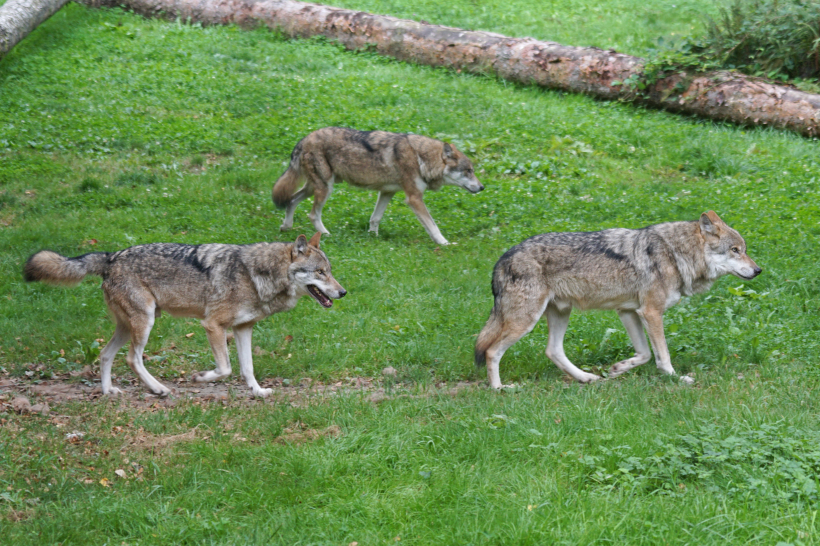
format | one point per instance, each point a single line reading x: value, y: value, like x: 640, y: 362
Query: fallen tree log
x: 19, y: 17
x: 717, y: 95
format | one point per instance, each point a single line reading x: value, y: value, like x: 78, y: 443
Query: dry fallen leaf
x: 105, y: 482
x: 189, y: 335
x: 121, y: 473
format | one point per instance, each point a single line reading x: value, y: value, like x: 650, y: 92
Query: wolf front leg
x: 415, y: 202
x: 243, y: 334
x: 652, y: 318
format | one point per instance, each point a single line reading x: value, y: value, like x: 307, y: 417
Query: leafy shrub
x: 777, y: 39
x: 773, y: 38
x: 774, y: 462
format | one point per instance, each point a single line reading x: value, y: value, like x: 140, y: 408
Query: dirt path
x: 84, y: 387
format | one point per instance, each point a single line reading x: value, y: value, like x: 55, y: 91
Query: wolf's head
x: 310, y: 272
x: 458, y: 170
x: 725, y: 249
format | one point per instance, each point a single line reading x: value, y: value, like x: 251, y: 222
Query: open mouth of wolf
x: 319, y: 296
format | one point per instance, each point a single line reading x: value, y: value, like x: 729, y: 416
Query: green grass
x: 628, y: 26
x: 116, y: 131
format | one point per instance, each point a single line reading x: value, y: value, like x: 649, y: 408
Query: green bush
x: 772, y: 38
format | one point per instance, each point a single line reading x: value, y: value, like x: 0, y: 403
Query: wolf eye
x: 736, y: 250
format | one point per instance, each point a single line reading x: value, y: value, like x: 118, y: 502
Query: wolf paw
x: 283, y: 227
x: 201, y: 377
x: 113, y: 391
x: 618, y: 369
x: 162, y: 392
x: 686, y: 379
x: 262, y: 393
x: 589, y: 378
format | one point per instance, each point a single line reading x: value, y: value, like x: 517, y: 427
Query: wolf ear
x: 448, y: 151
x: 300, y: 246
x: 709, y: 222
x: 314, y: 241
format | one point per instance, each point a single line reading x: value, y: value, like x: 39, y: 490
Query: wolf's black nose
x: 758, y: 271
x: 342, y: 293
x: 480, y: 187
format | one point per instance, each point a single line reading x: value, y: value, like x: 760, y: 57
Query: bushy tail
x: 286, y: 186
x: 489, y: 335
x: 52, y: 268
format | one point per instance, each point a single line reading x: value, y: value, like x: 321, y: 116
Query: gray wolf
x: 225, y: 286
x: 372, y: 160
x: 640, y: 273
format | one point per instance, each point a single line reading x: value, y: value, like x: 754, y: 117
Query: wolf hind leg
x: 297, y: 198
x: 320, y: 177
x: 558, y: 320
x: 219, y: 346
x: 118, y: 339
x: 320, y: 196
x: 243, y: 334
x: 140, y: 327
x: 632, y: 323
x: 378, y: 212
x: 516, y: 322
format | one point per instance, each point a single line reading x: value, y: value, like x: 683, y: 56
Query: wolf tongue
x: 320, y: 296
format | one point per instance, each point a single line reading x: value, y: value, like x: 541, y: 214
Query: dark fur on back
x: 595, y: 255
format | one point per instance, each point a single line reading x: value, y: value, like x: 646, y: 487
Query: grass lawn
x: 115, y: 131
x: 628, y: 26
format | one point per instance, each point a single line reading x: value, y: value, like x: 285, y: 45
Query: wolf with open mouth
x: 225, y: 286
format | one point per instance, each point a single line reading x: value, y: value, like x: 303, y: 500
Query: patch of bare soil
x: 84, y: 386
x: 19, y: 515
x: 298, y: 434
x: 147, y: 441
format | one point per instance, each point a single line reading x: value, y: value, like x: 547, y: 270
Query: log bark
x: 19, y: 17
x: 718, y: 95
